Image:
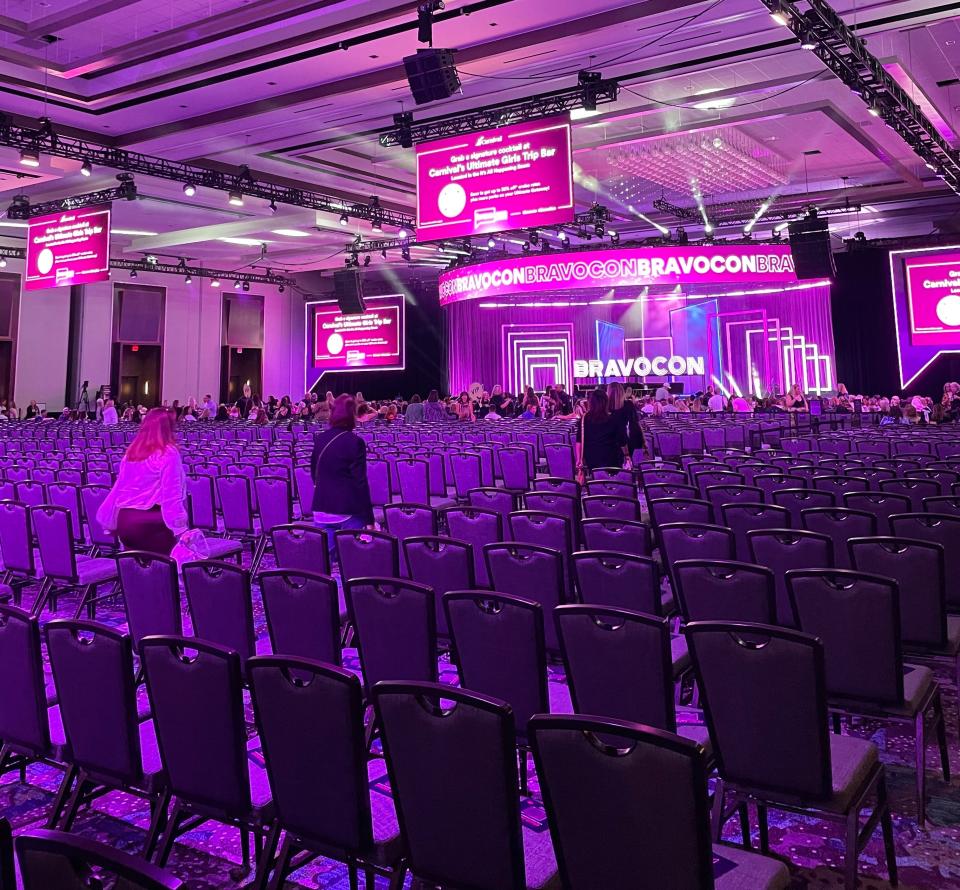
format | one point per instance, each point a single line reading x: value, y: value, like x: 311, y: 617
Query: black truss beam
x: 587, y: 95
x: 21, y: 208
x: 45, y: 139
x: 826, y: 35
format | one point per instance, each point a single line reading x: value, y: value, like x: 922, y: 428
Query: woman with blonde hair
x: 147, y: 506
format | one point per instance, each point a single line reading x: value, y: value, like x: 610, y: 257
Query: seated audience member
x: 463, y: 408
x: 261, y: 418
x: 663, y: 392
x: 222, y: 415
x: 414, y: 412
x: 210, y: 405
x: 283, y: 411
x: 434, y: 410
x: 365, y: 412
x: 531, y: 410
x: 110, y: 414
x: 717, y: 403
x: 492, y: 414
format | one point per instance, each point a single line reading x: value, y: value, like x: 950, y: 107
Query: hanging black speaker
x: 810, y: 246
x: 349, y: 291
x: 432, y: 75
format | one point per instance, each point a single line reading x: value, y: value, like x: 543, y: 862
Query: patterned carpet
x: 208, y: 857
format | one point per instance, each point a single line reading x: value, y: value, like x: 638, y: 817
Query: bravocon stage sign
x: 66, y: 248
x: 514, y: 177
x: 697, y: 265
x: 658, y: 366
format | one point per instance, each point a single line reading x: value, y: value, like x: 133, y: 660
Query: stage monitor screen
x: 933, y: 298
x: 72, y: 247
x: 372, y: 340
x: 515, y: 177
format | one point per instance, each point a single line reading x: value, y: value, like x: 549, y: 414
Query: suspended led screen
x: 67, y: 248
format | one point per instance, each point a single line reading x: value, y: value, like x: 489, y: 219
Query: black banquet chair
x: 628, y: 810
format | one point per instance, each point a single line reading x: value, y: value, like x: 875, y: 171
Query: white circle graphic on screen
x: 948, y: 310
x: 45, y: 261
x: 452, y: 200
x: 334, y: 344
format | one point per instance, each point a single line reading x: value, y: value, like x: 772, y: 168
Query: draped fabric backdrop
x: 764, y: 341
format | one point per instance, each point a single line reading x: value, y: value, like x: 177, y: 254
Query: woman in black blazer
x: 341, y: 493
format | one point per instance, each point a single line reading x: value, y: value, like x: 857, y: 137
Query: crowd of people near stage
x: 480, y: 404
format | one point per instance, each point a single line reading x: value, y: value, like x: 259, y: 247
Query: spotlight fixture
x: 383, y: 252
x: 189, y: 189
x: 563, y: 236
x: 273, y: 206
x: 86, y: 168
x: 30, y: 157
x: 777, y: 234
x: 589, y: 82
x: 188, y: 279
x: 526, y: 247
x: 215, y: 282
x: 491, y: 243
x: 366, y: 260
x: 403, y: 233
x: 860, y: 238
x: 425, y: 13
x: 807, y: 41
x: 682, y: 237
x: 236, y: 285
x: 440, y: 246
x: 3, y: 262
x: 235, y: 197
x: 133, y: 273
x: 246, y: 285
x: 280, y: 289
x: 614, y: 237
x: 534, y: 237
x: 344, y: 219
x: 779, y: 15
x: 405, y: 253
x: 599, y: 230
x: 404, y: 122
x: 874, y: 109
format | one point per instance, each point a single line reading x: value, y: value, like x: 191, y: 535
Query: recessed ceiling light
x: 291, y: 233
x: 133, y: 232
x: 244, y: 242
x: 714, y: 104
x: 579, y: 114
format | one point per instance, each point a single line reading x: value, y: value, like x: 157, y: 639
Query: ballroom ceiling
x: 300, y: 92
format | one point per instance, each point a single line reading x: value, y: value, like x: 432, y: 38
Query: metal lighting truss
x: 590, y: 92
x: 738, y: 212
x: 822, y: 31
x: 21, y: 208
x: 44, y: 139
x: 146, y: 265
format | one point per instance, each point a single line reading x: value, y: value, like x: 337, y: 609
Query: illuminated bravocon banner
x: 68, y: 248
x: 926, y: 302
x: 756, y: 265
x: 371, y: 340
x: 514, y: 177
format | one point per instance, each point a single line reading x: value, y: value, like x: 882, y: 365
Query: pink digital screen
x: 72, y: 247
x: 371, y: 340
x: 933, y: 298
x: 514, y: 177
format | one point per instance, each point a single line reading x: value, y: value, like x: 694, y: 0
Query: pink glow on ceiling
x: 900, y: 75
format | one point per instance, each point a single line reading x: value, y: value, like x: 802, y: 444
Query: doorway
x: 136, y: 374
x: 241, y: 366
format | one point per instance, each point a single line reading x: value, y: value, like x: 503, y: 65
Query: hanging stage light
x: 86, y: 168
x: 30, y: 157
x: 235, y: 197
x: 189, y: 189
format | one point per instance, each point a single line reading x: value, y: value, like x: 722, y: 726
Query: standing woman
x: 626, y: 413
x: 601, y: 436
x: 433, y: 410
x: 147, y: 506
x: 341, y: 494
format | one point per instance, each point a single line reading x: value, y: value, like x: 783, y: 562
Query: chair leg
x: 245, y: 846
x: 265, y: 858
x: 62, y: 792
x: 283, y: 863
x: 919, y: 740
x: 764, y: 825
x: 369, y: 879
x: 886, y: 824
x: 941, y: 727
x: 354, y: 875
x: 852, y: 852
x: 43, y: 594
x: 743, y: 811
x: 398, y: 876
x: 717, y: 816
x: 171, y: 835
x: 837, y: 725
x: 157, y: 822
x: 73, y: 804
x: 524, y: 783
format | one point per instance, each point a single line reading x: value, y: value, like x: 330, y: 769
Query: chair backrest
x: 499, y: 650
x: 496, y: 499
x: 16, y: 544
x: 442, y: 564
x: 620, y: 535
x: 660, y: 490
x: 201, y: 502
x: 566, y: 505
x: 396, y: 627
x: 515, y: 468
x: 723, y: 590
x: 477, y: 527
x: 463, y: 755
x: 310, y: 722
x: 221, y: 605
x: 466, y: 472
x: 23, y: 704
x: 91, y: 497
x: 151, y: 594
x: 741, y: 518
x: 948, y: 503
x: 50, y: 859
x: 618, y: 580
x: 690, y: 540
x: 839, y: 524
x: 554, y: 485
x: 93, y: 671
x: 763, y: 691
x: 531, y: 572
x: 236, y: 502
x: 362, y: 553
x: 413, y: 476
x: 53, y: 527
x: 303, y: 614
x: 410, y: 520
x: 796, y: 500
x: 918, y: 567
x: 718, y: 495
x: 882, y: 504
x: 914, y: 489
x: 301, y: 547
x: 839, y: 485
x: 67, y: 495
x: 781, y: 550
x: 274, y: 502
x: 598, y: 506
x: 857, y: 616
x: 560, y: 460
x: 627, y: 805
x: 196, y: 696
x: 938, y: 528
x: 618, y: 664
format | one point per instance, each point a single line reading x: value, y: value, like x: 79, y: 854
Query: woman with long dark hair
x: 626, y: 412
x: 433, y: 410
x: 147, y: 506
x: 341, y: 494
x: 601, y: 436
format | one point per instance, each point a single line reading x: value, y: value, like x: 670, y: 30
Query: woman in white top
x: 147, y: 506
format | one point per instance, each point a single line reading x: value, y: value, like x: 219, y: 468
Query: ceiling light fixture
x: 291, y: 233
x: 235, y: 197
x: 215, y: 282
x: 779, y: 15
x: 236, y: 285
x: 188, y: 279
x: 133, y: 273
x: 86, y: 168
x: 807, y: 41
x: 3, y: 263
x: 189, y: 189
x: 246, y: 285
x: 29, y: 157
x: 344, y: 219
x: 491, y: 243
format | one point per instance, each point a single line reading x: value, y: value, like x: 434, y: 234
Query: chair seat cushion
x: 260, y: 795
x: 738, y: 869
x: 386, y: 830
x: 95, y: 571
x: 696, y: 733
x: 58, y: 738
x: 221, y: 547
x: 852, y: 760
x: 917, y: 682
x: 539, y: 860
